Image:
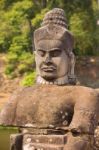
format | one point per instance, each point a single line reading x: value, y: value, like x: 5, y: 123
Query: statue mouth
x: 48, y: 69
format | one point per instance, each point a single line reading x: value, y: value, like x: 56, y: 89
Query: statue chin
x: 49, y: 77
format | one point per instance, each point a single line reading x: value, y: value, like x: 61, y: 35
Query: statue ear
x: 69, y: 41
x: 71, y: 74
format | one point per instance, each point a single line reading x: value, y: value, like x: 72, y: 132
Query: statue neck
x: 60, y: 81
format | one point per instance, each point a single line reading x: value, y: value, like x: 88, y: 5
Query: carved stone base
x: 37, y: 142
x: 44, y: 142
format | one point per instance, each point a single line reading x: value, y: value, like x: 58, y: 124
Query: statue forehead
x: 49, y: 44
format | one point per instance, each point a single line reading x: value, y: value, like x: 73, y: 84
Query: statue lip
x: 48, y: 69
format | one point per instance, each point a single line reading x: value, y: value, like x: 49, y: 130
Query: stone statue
x: 54, y: 114
x: 54, y: 45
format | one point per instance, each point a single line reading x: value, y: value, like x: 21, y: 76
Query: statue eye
x: 41, y: 53
x: 55, y: 53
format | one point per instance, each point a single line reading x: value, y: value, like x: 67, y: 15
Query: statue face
x: 51, y: 59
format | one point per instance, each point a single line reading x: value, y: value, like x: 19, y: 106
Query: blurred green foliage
x: 19, y: 19
x: 19, y: 64
x: 29, y: 79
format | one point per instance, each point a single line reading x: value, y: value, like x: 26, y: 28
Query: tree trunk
x: 31, y: 34
x: 44, y: 3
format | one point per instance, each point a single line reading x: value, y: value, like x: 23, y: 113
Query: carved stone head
x: 54, y: 45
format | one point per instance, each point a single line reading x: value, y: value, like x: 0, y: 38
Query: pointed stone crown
x: 54, y: 27
x: 55, y: 16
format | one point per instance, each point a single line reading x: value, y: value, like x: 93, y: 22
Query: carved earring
x: 71, y: 74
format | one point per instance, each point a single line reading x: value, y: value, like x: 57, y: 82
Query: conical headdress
x: 54, y: 27
x: 55, y: 16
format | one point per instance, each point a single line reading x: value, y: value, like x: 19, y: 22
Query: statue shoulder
x: 8, y: 112
x: 88, y: 98
x: 83, y: 90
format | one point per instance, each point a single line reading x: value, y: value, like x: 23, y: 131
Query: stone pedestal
x: 29, y: 141
x: 37, y: 142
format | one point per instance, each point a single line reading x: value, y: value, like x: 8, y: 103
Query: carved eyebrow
x: 41, y: 50
x: 53, y: 49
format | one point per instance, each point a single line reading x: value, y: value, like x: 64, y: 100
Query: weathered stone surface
x: 81, y: 142
x: 45, y: 142
x: 46, y: 139
x: 54, y: 103
x: 46, y: 105
x: 30, y: 141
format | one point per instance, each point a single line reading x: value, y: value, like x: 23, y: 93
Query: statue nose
x: 48, y: 59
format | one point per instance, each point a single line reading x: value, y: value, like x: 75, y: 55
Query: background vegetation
x: 18, y: 20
